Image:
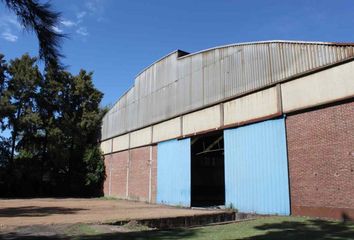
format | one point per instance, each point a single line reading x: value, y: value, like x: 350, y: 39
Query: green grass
x: 272, y: 228
x: 107, y: 198
x: 80, y: 229
x: 267, y: 228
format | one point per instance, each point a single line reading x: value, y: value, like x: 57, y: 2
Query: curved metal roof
x: 182, y: 82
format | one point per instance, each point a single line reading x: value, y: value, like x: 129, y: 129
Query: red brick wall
x: 321, y: 161
x: 154, y: 174
x: 139, y: 174
x: 119, y: 163
x: 106, y: 182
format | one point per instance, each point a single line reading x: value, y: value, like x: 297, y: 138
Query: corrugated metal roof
x: 181, y: 82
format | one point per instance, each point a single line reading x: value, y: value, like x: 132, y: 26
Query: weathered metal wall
x: 177, y: 84
x: 174, y: 172
x: 256, y: 168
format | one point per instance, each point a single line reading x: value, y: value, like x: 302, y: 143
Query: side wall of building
x: 131, y: 174
x: 321, y: 161
x: 319, y: 111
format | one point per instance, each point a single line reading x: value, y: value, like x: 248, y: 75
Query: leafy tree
x: 95, y: 170
x: 79, y: 121
x: 41, y: 19
x: 20, y: 102
x: 55, y: 122
x: 3, y: 69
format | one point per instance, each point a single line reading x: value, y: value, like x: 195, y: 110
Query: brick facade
x: 321, y: 161
x: 120, y: 168
x: 118, y: 182
x: 107, y: 165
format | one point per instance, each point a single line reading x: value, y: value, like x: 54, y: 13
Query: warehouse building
x: 263, y: 127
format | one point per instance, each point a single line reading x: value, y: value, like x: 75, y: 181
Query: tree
x: 3, y: 69
x: 55, y: 122
x: 41, y: 19
x: 80, y: 122
x: 20, y: 101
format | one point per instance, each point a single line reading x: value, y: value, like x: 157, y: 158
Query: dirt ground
x: 48, y: 211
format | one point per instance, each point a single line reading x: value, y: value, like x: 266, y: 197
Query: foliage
x: 41, y: 19
x: 54, y: 123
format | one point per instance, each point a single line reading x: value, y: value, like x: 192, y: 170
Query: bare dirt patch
x: 48, y: 211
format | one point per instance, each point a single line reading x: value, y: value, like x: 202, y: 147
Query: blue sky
x: 116, y: 39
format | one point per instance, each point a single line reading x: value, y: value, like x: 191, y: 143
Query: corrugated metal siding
x: 174, y: 173
x: 175, y: 85
x: 256, y: 168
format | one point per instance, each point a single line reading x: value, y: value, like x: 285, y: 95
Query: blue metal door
x: 256, y: 168
x: 174, y: 172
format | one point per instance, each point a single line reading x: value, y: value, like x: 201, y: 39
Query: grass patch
x: 81, y: 230
x: 267, y: 228
x: 270, y: 228
x: 107, y: 198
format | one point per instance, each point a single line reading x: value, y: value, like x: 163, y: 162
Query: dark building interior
x: 207, y: 170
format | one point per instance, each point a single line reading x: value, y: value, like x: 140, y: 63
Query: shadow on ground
x: 290, y: 230
x: 311, y: 229
x: 33, y: 211
x: 173, y: 234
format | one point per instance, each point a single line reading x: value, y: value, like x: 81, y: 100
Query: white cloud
x: 94, y: 6
x: 8, y: 36
x: 13, y: 21
x: 81, y: 15
x: 10, y: 27
x: 68, y: 23
x: 57, y: 30
x: 82, y: 31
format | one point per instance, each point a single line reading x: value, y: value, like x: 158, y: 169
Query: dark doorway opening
x: 207, y: 170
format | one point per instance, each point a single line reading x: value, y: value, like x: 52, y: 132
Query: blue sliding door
x: 256, y: 168
x: 174, y: 172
